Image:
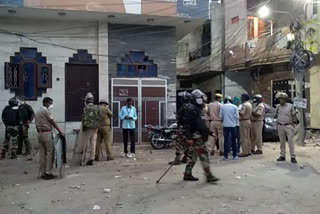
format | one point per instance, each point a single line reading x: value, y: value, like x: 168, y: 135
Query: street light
x: 264, y: 12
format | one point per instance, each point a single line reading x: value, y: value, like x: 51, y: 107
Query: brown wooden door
x: 80, y: 79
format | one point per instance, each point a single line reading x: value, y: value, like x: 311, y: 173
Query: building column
x: 103, y: 60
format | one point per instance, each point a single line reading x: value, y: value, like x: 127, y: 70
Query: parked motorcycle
x: 160, y: 137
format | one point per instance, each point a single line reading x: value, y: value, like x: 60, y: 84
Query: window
x: 235, y: 20
x: 314, y: 8
x: 189, y: 2
x: 27, y: 74
x: 116, y: 113
x: 258, y: 28
x: 136, y: 64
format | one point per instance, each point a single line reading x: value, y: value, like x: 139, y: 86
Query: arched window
x: 27, y: 74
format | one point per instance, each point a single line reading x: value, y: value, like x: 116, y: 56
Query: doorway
x: 80, y: 79
x: 150, y: 99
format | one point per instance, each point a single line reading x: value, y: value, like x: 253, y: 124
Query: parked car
x: 270, y: 132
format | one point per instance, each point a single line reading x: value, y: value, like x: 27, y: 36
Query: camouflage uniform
x: 197, y: 148
x: 12, y: 133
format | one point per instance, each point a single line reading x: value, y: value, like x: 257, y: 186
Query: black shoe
x: 211, y: 179
x: 49, y: 176
x: 189, y: 177
x: 293, y: 160
x: 14, y: 156
x: 90, y: 163
x: 3, y: 155
x: 26, y: 153
x: 184, y: 159
x: 96, y: 158
x: 176, y: 161
x: 19, y: 152
x: 281, y: 158
x: 258, y: 152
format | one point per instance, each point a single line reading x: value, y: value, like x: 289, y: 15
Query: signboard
x: 300, y: 103
x: 123, y: 92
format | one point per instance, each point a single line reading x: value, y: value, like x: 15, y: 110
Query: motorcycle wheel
x: 155, y: 143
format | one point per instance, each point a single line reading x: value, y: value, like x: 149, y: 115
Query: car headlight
x: 270, y: 120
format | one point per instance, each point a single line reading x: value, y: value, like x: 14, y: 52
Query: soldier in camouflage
x: 90, y: 124
x: 10, y: 117
x: 197, y: 134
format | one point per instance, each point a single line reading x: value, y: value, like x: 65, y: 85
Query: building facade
x: 65, y: 51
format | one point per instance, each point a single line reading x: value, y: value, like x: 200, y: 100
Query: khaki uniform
x: 257, y: 118
x: 216, y: 125
x: 45, y: 139
x: 245, y: 126
x: 104, y: 131
x: 285, y: 117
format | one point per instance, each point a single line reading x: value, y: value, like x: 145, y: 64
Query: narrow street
x: 254, y: 185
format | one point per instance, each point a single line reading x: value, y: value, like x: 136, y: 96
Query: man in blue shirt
x: 230, y: 116
x: 128, y: 115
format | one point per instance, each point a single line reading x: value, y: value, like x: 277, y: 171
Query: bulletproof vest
x: 10, y: 116
x: 24, y: 113
x: 91, y: 117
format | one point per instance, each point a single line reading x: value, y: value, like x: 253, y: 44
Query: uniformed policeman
x: 216, y: 126
x: 286, y: 116
x: 257, y: 118
x: 197, y: 134
x: 44, y: 123
x: 245, y: 125
x: 104, y: 130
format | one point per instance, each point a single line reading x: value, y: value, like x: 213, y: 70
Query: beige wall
x: 314, y: 96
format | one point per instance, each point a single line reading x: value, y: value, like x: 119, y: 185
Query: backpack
x: 10, y: 116
x: 91, y: 117
x: 25, y: 113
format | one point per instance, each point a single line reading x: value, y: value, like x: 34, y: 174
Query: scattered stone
x: 301, y: 166
x: 106, y: 190
x: 29, y: 159
x: 273, y: 169
x: 28, y: 193
x: 25, y: 172
x: 119, y: 204
x: 75, y: 187
x: 96, y: 207
x: 145, y: 178
x: 108, y: 196
x: 66, y: 166
x: 117, y: 176
x: 239, y: 177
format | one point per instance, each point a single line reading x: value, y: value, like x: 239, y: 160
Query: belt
x: 215, y: 120
x: 284, y: 124
x: 43, y: 131
x: 244, y: 119
x: 256, y: 120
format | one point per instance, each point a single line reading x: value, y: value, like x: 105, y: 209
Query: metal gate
x: 150, y: 99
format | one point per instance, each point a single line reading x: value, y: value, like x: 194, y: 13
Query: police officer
x: 245, y: 125
x: 181, y: 146
x: 197, y: 134
x: 104, y: 130
x: 90, y: 124
x: 286, y: 116
x: 257, y: 118
x: 10, y: 118
x: 216, y: 125
x: 26, y: 116
x: 44, y: 122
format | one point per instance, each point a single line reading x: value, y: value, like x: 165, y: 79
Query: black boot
x: 211, y: 179
x: 90, y: 163
x: 189, y: 177
x: 176, y: 161
x: 27, y: 143
x: 184, y: 159
x: 3, y: 155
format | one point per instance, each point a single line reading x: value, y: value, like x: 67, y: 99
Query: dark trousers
x: 238, y: 138
x: 131, y: 132
x: 229, y: 138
